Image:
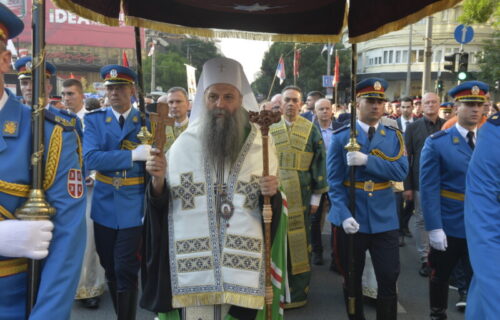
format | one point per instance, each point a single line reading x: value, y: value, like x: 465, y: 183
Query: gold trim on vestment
x: 13, y: 266
x: 53, y: 156
x: 290, y: 144
x: 14, y: 189
x: 297, y: 304
x: 79, y: 149
x: 380, y: 154
x: 211, y: 298
x: 5, y: 214
x: 452, y: 195
x: 406, y: 20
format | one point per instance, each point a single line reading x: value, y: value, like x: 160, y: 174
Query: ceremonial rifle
x: 265, y: 119
x: 36, y: 207
x: 352, y: 146
x: 144, y: 135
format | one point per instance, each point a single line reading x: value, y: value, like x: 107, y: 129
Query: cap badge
x: 113, y: 73
x: 475, y: 90
x: 377, y: 85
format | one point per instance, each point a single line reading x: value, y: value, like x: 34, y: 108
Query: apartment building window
x: 445, y: 15
x: 438, y: 54
x: 405, y: 56
x: 420, y: 55
x: 398, y: 57
x: 390, y: 56
x: 386, y: 54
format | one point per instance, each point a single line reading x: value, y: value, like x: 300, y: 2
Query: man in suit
x: 443, y: 167
x: 375, y: 224
x: 111, y: 147
x: 326, y: 124
x: 415, y: 136
x: 311, y: 99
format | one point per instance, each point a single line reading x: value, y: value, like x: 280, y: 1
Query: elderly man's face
x: 291, y: 101
x: 224, y: 97
x: 430, y: 104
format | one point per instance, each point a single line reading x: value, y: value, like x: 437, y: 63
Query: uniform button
x: 370, y: 194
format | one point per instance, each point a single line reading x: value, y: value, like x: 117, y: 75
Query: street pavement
x: 325, y: 296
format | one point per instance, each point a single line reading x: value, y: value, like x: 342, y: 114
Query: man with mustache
x: 204, y: 233
x: 443, y: 167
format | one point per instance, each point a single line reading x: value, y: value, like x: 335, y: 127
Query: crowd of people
x: 187, y: 215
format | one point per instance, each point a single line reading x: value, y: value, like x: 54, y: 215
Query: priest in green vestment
x: 302, y: 162
x: 178, y: 107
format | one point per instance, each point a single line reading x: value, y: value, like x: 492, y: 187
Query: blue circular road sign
x: 464, y: 34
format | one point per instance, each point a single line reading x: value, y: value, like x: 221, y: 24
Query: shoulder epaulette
x: 495, y: 119
x: 341, y: 128
x: 102, y: 109
x: 438, y: 134
x: 393, y: 128
x: 68, y: 125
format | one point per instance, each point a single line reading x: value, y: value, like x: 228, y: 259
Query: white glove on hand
x: 437, y: 239
x: 141, y: 152
x: 356, y: 158
x: 350, y: 225
x: 25, y: 239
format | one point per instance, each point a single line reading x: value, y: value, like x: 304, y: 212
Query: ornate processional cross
x: 159, y: 121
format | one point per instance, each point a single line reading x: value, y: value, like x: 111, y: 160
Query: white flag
x: 191, y: 81
x: 151, y: 50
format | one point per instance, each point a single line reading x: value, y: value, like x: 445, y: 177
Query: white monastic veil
x: 222, y: 70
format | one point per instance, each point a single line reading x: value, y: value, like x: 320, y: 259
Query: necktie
x: 470, y: 139
x: 371, y: 132
x: 122, y: 121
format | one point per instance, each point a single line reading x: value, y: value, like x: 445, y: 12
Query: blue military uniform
x: 482, y: 223
x: 443, y: 166
x: 61, y: 269
x: 118, y: 196
x: 65, y: 191
x: 375, y: 202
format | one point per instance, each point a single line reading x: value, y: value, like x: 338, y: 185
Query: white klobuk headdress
x: 226, y: 71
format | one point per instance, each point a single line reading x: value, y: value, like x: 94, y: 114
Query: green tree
x: 489, y: 61
x: 170, y: 71
x: 312, y: 67
x: 480, y: 11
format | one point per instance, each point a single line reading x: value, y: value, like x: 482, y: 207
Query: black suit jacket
x: 415, y: 135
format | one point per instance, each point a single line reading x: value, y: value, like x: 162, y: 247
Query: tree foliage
x: 313, y: 65
x: 170, y: 69
x: 480, y: 11
x: 489, y: 62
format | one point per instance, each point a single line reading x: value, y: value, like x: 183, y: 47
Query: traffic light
x: 452, y: 64
x: 439, y: 85
x: 463, y: 63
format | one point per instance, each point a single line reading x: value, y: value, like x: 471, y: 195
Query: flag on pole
x: 124, y: 59
x: 336, y: 71
x: 278, y: 267
x: 280, y: 70
x: 191, y: 81
x: 152, y: 49
x: 296, y: 62
x: 71, y: 75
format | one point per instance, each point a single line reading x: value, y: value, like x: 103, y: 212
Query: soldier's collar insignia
x: 108, y: 119
x: 377, y: 85
x: 456, y: 140
x: 10, y: 128
x: 113, y: 73
x: 135, y: 119
x: 475, y: 90
x: 382, y: 132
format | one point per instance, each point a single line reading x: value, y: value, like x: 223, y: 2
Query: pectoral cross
x: 159, y: 120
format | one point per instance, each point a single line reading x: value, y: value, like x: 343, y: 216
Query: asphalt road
x: 325, y: 297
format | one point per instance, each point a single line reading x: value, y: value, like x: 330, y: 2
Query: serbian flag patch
x: 75, y: 183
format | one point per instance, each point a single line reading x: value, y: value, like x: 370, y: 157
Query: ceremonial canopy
x: 277, y: 20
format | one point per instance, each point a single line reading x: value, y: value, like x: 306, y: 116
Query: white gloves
x: 437, y: 239
x: 25, y: 239
x: 356, y: 158
x: 350, y: 225
x: 141, y: 152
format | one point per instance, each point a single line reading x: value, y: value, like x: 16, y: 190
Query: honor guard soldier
x: 446, y: 110
x: 482, y: 223
x: 59, y: 242
x: 23, y: 67
x: 111, y: 147
x: 443, y: 167
x: 382, y: 158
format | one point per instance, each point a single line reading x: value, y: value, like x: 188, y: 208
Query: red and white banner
x: 336, y: 70
x: 280, y: 70
x: 296, y: 62
x: 191, y: 81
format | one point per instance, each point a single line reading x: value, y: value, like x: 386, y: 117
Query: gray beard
x: 223, y: 137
